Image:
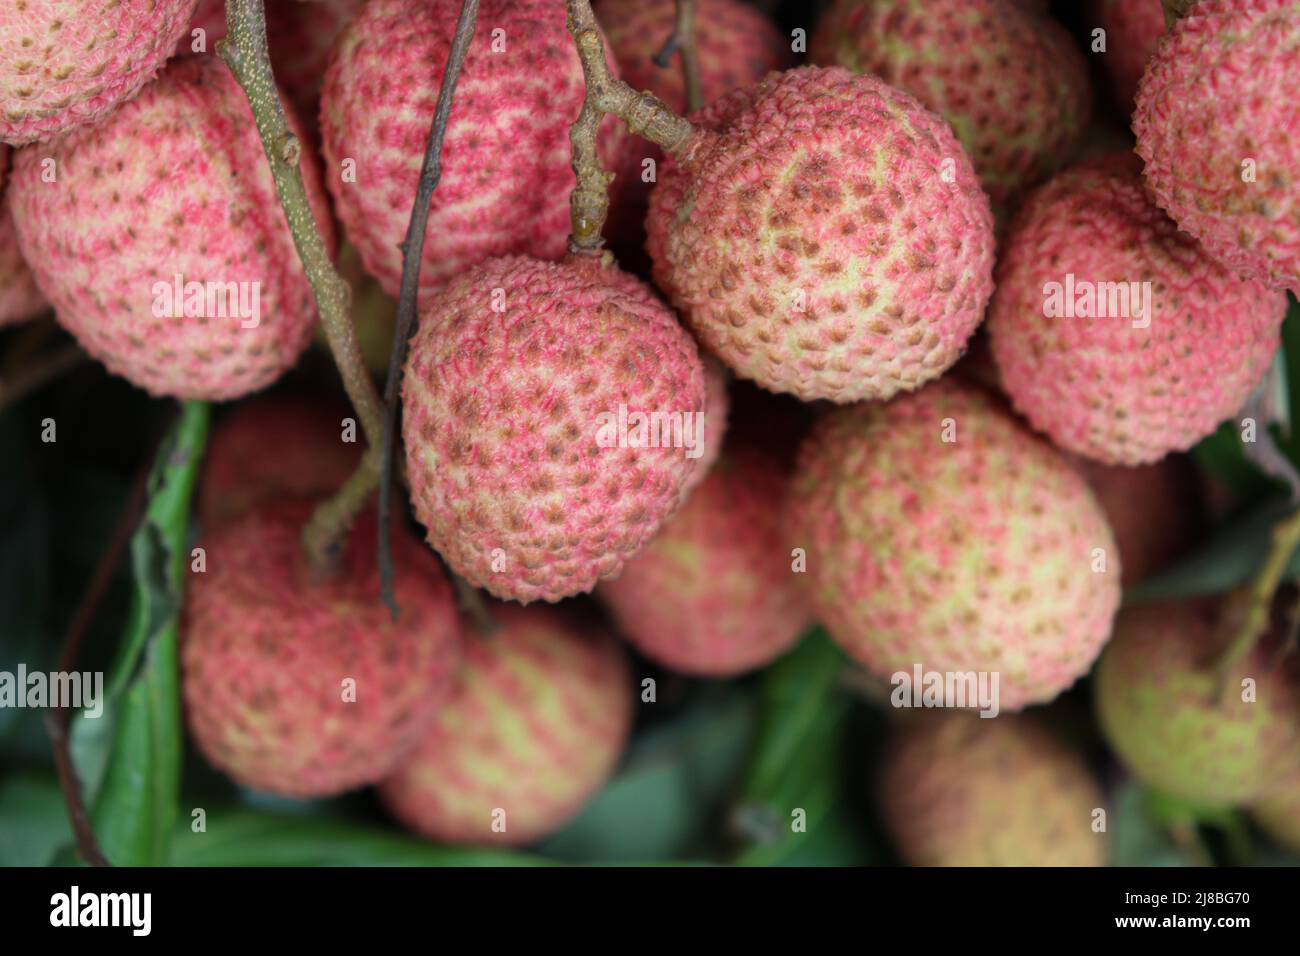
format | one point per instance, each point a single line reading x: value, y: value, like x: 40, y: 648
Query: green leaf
x: 33, y: 820
x: 1139, y: 831
x: 664, y: 802
x: 798, y: 764
x: 245, y: 837
x: 129, y: 758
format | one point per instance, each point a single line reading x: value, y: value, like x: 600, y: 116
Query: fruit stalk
x: 644, y: 113
x: 412, y: 251
x: 1259, y: 597
x: 245, y: 51
x: 683, y: 41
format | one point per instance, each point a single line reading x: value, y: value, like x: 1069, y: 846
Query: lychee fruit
x: 1183, y: 727
x: 1011, y: 82
x: 65, y: 64
x: 717, y: 411
x: 1154, y: 511
x: 275, y: 446
x: 506, y: 173
x: 567, y: 464
x: 810, y: 242
x: 1220, y: 133
x: 538, y: 719
x: 309, y: 689
x: 940, y: 531
x: 735, y: 45
x: 961, y: 790
x: 164, y: 196
x: 300, y: 36
x: 20, y: 300
x: 1133, y: 31
x: 1113, y: 332
x: 1278, y: 815
x: 713, y: 594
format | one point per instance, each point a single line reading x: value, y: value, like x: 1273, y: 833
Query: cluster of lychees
x: 840, y: 231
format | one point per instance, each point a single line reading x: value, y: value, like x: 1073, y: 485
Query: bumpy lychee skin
x: 1165, y: 712
x: 163, y: 188
x: 308, y: 689
x: 810, y: 243
x: 1279, y: 815
x: 66, y: 63
x: 735, y: 44
x: 539, y: 716
x: 20, y: 300
x: 1011, y: 82
x: 273, y: 446
x: 1214, y: 97
x: 713, y: 594
x: 1154, y: 511
x: 1099, y: 386
x: 300, y: 35
x: 520, y: 465
x: 506, y: 173
x: 939, y: 531
x: 1133, y: 31
x: 961, y: 790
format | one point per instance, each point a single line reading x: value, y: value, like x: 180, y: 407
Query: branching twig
x: 644, y: 113
x: 245, y: 52
x: 407, y: 305
x: 683, y: 41
x: 38, y: 373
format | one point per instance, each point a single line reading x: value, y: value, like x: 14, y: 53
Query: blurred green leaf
x: 1230, y: 558
x: 798, y: 764
x: 129, y: 758
x: 665, y: 801
x: 1291, y: 366
x: 33, y: 820
x: 1221, y: 454
x: 247, y: 837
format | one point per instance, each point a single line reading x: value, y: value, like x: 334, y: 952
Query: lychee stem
x: 644, y: 113
x: 1174, y: 10
x: 1259, y: 597
x: 683, y: 41
x: 245, y: 51
x: 407, y: 304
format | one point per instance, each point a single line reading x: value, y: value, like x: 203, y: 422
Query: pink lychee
x: 310, y: 689
x: 713, y: 594
x: 506, y: 173
x: 809, y: 235
x: 539, y: 716
x: 171, y: 189
x: 1219, y: 129
x: 525, y: 463
x: 20, y: 300
x: 1010, y: 81
x: 66, y: 63
x: 1101, y: 376
x: 940, y: 531
x: 1133, y: 31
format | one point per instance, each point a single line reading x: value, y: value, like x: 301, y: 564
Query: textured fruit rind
x: 164, y: 187
x: 1011, y: 83
x: 66, y: 63
x: 506, y: 173
x: 1102, y: 387
x: 1217, y: 94
x: 975, y: 554
x: 267, y: 656
x: 713, y: 594
x: 961, y: 790
x: 1165, y: 712
x: 1279, y: 815
x: 273, y: 446
x: 810, y: 243
x: 505, y: 412
x: 538, y: 719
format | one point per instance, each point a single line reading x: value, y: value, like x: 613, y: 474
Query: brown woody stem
x: 245, y: 52
x: 683, y: 41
